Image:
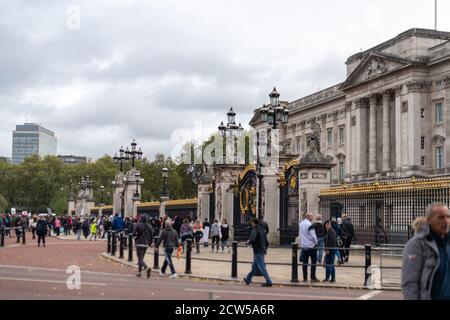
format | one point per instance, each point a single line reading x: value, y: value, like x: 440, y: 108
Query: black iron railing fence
x: 382, y: 212
x: 386, y: 260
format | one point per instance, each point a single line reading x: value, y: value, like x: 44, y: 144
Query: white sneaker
x: 173, y: 276
x: 160, y: 273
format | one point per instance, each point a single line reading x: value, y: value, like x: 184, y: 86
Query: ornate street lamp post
x: 133, y: 154
x: 120, y: 159
x: 272, y: 115
x: 136, y: 195
x: 165, y: 176
x: 231, y: 130
x: 102, y: 191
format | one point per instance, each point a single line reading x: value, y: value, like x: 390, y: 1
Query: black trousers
x: 304, y: 258
x: 140, y: 252
x: 347, y: 244
x: 41, y: 238
x: 215, y: 239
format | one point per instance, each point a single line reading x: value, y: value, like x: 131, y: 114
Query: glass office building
x: 30, y: 139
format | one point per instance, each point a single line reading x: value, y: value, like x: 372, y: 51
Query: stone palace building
x: 389, y: 118
x: 381, y: 133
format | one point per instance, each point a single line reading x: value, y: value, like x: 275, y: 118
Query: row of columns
x: 371, y: 133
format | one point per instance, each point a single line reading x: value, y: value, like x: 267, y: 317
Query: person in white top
x: 309, y: 242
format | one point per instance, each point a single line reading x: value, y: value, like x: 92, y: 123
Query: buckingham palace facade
x: 386, y: 132
x: 389, y: 119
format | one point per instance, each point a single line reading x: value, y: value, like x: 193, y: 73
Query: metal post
x: 121, y: 246
x: 188, y: 256
x: 294, y: 278
x: 130, y: 247
x: 108, y: 238
x: 114, y: 244
x: 23, y: 235
x: 156, y: 254
x: 2, y: 239
x: 368, y: 250
x: 234, y: 266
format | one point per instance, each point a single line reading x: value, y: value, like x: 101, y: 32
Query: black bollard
x: 130, y: 247
x: 234, y: 265
x: 121, y: 237
x: 294, y: 278
x: 2, y: 237
x: 156, y: 254
x: 108, y: 240
x: 368, y: 250
x: 188, y: 256
x: 23, y: 235
x: 114, y: 244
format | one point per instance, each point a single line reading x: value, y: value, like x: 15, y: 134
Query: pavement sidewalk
x: 217, y: 266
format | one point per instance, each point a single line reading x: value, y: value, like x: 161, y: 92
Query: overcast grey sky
x: 142, y: 69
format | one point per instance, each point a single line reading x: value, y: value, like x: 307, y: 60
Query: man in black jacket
x: 348, y: 234
x: 258, y: 240
x: 143, y: 234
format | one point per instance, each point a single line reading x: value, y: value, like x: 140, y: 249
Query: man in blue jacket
x: 117, y: 224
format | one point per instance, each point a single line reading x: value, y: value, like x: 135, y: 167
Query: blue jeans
x: 321, y: 242
x: 330, y: 271
x: 168, y: 261
x: 223, y: 243
x: 258, y: 263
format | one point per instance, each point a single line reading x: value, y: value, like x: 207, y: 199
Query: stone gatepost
x: 226, y: 175
x: 118, y: 193
x: 271, y: 205
x: 314, y: 174
x: 132, y: 186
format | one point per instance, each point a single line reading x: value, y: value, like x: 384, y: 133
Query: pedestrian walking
x: 35, y: 219
x: 185, y: 232
x: 93, y: 230
x: 86, y: 228
x: 198, y: 235
x: 57, y: 225
x: 259, y: 243
x: 169, y: 239
x: 41, y: 230
x: 143, y: 234
x: 426, y: 258
x: 224, y: 234
x: 206, y: 231
x: 215, y: 234
x: 330, y: 242
x: 309, y: 247
x: 348, y: 235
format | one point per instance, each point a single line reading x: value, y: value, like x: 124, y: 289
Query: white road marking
x: 370, y: 295
x: 270, y: 294
x: 31, y: 268
x: 51, y: 281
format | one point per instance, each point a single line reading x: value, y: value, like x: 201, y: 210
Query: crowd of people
x: 332, y: 237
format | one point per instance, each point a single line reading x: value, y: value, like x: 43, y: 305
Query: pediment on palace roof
x: 373, y: 66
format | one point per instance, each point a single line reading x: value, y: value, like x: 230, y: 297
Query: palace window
x: 422, y: 161
x: 341, y: 170
x: 439, y: 112
x: 422, y: 113
x: 330, y: 137
x: 439, y: 158
x: 422, y: 143
x: 298, y: 144
x: 341, y: 135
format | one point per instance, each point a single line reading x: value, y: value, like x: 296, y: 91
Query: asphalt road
x: 31, y: 272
